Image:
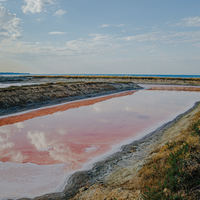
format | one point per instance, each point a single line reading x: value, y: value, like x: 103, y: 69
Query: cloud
x: 59, y: 13
x: 8, y: 131
x: 98, y: 44
x: 136, y: 29
x: 6, y: 146
x: 154, y: 36
x: 35, y: 6
x: 62, y: 131
x: 57, y: 151
x: 9, y: 25
x: 1, y: 1
x: 190, y: 22
x: 91, y: 149
x: 120, y: 25
x: 104, y: 25
x: 166, y: 37
x: 17, y: 157
x: 39, y: 140
x: 39, y: 19
x: 57, y: 33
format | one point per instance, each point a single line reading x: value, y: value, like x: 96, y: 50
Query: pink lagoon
x: 41, y: 148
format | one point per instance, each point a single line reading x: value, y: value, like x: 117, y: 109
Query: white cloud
x: 166, y: 37
x: 6, y: 146
x: 17, y: 157
x: 57, y: 33
x: 1, y: 1
x: 136, y: 29
x: 154, y: 36
x: 39, y: 140
x: 19, y: 125
x: 104, y: 25
x: 97, y: 43
x: 62, y: 131
x: 190, y: 22
x: 35, y: 6
x: 39, y: 19
x: 120, y: 25
x: 102, y: 44
x: 38, y: 43
x: 59, y: 13
x: 9, y: 25
x: 91, y: 149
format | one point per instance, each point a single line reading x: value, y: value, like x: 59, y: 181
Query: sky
x: 100, y: 36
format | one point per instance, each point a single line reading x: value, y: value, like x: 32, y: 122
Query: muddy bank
x: 113, y: 176
x: 14, y: 99
x: 108, y: 79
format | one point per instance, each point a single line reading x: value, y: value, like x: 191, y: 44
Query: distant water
x: 13, y: 74
x: 142, y: 75
x: 138, y: 75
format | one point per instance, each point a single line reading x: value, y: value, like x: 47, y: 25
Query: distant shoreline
x: 13, y: 73
x: 108, y: 75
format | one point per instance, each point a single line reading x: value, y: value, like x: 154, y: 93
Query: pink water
x: 39, y: 149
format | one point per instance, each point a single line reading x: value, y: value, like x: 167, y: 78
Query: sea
x: 137, y: 75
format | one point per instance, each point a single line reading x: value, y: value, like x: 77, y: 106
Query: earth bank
x: 14, y: 99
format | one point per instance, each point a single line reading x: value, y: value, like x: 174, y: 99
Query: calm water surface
x: 39, y: 149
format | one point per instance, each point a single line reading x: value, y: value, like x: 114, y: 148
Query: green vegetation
x: 175, y: 174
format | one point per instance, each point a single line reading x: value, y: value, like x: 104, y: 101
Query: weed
x: 179, y: 177
x: 195, y: 128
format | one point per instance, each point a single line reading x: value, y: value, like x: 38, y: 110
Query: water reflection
x: 61, y: 108
x: 72, y: 134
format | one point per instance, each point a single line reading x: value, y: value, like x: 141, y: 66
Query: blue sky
x: 100, y: 36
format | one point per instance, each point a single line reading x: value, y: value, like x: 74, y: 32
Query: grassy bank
x: 174, y: 171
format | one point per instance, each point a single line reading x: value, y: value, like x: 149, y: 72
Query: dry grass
x: 173, y: 172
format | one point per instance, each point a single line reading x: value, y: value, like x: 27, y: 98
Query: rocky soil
x: 14, y: 99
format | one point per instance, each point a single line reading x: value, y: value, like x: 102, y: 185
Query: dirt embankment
x: 14, y: 99
x: 109, y: 79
